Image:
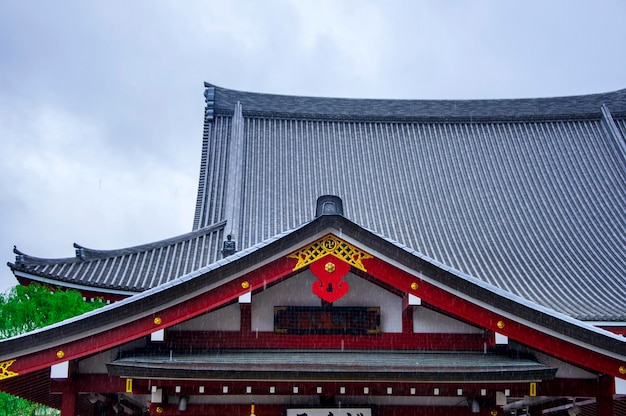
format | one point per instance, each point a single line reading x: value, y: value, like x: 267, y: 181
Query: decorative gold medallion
x: 414, y: 285
x: 330, y: 267
x: 245, y: 284
x: 500, y: 324
x: 60, y: 353
x: 622, y: 370
x: 157, y: 320
x: 330, y: 245
x: 4, y: 372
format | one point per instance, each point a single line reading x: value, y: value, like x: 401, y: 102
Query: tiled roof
x: 320, y: 365
x: 436, y: 110
x: 527, y: 195
x: 225, y: 271
x: 132, y: 269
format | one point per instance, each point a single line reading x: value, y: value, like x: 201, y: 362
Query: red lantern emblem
x: 330, y: 270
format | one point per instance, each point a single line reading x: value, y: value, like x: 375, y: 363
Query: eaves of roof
x: 211, y: 277
x: 331, y: 365
x: 286, y: 106
x: 126, y: 269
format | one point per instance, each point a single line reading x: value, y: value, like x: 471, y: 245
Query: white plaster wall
x: 96, y: 364
x: 297, y: 291
x: 429, y: 321
x: 227, y: 318
x: 364, y: 293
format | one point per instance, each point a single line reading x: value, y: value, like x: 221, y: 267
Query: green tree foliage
x: 16, y: 406
x: 24, y: 308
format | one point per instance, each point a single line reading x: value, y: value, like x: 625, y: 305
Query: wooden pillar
x: 604, y: 400
x: 68, y: 399
x: 245, y: 309
x: 407, y: 316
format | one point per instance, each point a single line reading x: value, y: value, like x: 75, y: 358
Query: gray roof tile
x: 527, y: 195
x: 133, y: 269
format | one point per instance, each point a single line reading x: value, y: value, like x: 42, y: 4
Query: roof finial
x: 19, y: 256
x: 209, y: 98
x: 230, y: 246
x: 329, y: 205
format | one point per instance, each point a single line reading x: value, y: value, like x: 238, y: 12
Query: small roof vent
x: 329, y: 205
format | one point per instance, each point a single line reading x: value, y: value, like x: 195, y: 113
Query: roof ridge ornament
x: 328, y: 205
x: 613, y: 129
x: 209, y: 98
x: 19, y: 256
x: 230, y: 246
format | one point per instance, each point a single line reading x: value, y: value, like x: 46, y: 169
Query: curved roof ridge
x: 575, y: 106
x: 93, y: 253
x: 21, y: 257
x: 89, y: 253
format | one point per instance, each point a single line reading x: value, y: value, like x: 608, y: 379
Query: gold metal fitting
x: 159, y: 409
x: 414, y: 285
x: 500, y: 324
x: 158, y: 321
x: 60, y: 354
x: 245, y: 284
x: 622, y: 369
x: 330, y: 267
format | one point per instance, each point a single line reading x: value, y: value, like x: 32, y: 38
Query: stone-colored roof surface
x: 527, y: 195
x: 129, y: 270
x: 319, y: 365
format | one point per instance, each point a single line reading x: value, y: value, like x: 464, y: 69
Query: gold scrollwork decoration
x: 330, y: 244
x: 5, y: 372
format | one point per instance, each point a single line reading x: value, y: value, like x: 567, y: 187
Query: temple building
x: 361, y: 257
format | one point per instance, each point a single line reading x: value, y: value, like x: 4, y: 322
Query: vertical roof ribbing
x: 201, y: 202
x: 234, y: 175
x: 617, y: 135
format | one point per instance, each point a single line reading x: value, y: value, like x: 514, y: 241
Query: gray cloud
x: 101, y: 102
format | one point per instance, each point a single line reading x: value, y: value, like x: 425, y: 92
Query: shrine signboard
x: 326, y: 320
x: 337, y: 411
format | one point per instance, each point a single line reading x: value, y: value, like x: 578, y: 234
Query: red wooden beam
x: 489, y: 319
x: 145, y: 325
x: 103, y: 383
x: 265, y: 340
x: 280, y: 268
x: 216, y: 409
x: 91, y: 383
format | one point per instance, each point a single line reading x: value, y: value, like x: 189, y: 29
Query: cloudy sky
x: 101, y: 103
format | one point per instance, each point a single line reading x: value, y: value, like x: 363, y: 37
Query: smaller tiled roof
x: 331, y: 365
x: 132, y: 269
